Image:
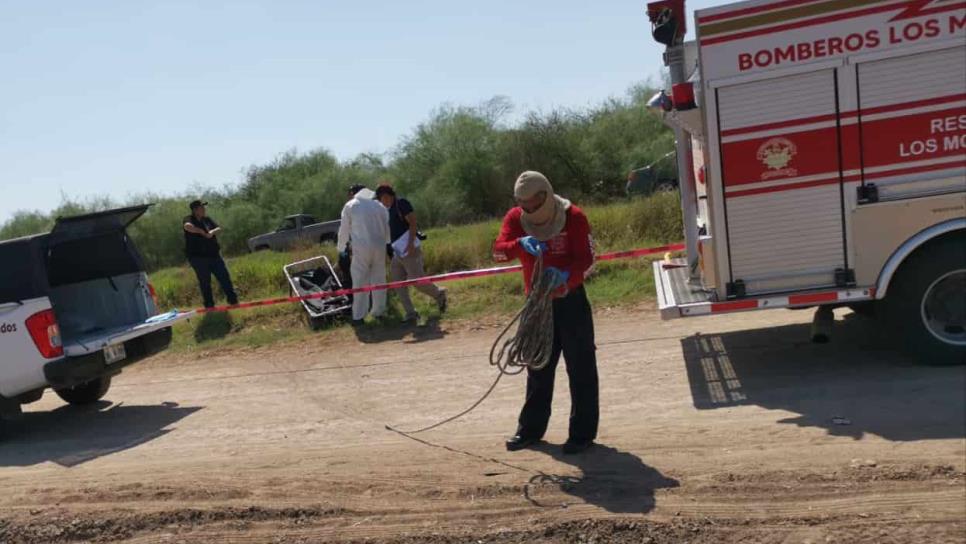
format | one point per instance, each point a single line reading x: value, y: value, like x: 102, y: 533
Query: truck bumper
x: 675, y: 293
x: 677, y: 297
x: 73, y: 371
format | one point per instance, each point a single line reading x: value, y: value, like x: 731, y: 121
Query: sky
x: 120, y: 98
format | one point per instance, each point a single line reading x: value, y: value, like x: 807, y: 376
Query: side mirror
x: 660, y: 102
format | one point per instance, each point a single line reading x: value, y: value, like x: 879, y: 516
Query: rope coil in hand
x: 529, y: 348
x: 532, y: 344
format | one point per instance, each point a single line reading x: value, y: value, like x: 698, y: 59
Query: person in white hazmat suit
x: 365, y: 225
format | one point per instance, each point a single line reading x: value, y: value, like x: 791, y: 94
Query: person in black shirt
x: 407, y: 258
x: 204, y: 253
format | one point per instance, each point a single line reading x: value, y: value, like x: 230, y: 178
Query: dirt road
x: 731, y: 429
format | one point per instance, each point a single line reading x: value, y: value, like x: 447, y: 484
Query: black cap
x: 353, y: 189
x: 196, y: 204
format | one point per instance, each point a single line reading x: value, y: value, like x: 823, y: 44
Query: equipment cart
x: 313, y: 276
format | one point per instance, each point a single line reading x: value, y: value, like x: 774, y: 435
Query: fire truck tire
x: 86, y: 393
x: 925, y: 307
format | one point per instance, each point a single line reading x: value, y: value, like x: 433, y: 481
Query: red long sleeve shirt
x: 571, y: 250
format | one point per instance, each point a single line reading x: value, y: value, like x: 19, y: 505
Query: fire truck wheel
x: 86, y: 393
x: 926, y: 303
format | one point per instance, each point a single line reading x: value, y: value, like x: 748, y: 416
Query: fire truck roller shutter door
x: 781, y: 174
x: 914, y: 126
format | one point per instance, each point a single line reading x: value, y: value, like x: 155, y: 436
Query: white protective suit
x: 365, y: 222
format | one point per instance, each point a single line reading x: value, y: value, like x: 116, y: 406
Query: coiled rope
x: 530, y: 347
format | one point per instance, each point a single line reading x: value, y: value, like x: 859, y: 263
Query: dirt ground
x: 725, y: 429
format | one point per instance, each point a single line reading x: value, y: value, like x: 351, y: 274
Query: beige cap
x: 530, y: 183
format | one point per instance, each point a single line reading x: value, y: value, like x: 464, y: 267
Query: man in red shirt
x: 546, y: 224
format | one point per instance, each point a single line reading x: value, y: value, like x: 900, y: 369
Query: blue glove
x: 556, y: 276
x: 532, y: 246
x: 344, y: 254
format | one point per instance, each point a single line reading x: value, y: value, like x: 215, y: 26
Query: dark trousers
x: 345, y: 265
x: 573, y: 335
x: 204, y: 268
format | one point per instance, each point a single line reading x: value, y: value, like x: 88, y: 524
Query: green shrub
x: 457, y: 168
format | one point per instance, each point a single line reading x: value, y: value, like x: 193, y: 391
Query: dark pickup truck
x: 295, y: 229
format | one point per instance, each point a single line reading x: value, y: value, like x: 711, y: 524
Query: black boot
x: 518, y: 442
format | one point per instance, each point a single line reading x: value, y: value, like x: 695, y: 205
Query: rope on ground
x: 529, y: 348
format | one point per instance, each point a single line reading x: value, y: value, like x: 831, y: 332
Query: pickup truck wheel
x: 327, y: 239
x: 86, y: 393
x: 925, y: 305
x: 262, y: 248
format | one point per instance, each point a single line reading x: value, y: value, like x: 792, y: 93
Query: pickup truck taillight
x: 45, y: 333
x: 154, y: 297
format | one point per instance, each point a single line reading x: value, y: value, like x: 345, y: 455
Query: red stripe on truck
x: 917, y: 104
x: 814, y: 298
x: 845, y: 115
x: 822, y: 20
x: 918, y: 170
x: 736, y: 306
x: 829, y: 181
x: 917, y: 137
x: 787, y: 187
x: 778, y: 125
x: 810, y: 153
x: 756, y: 9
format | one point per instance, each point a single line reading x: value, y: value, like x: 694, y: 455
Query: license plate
x: 115, y: 353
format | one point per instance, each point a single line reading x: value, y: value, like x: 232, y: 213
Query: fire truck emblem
x: 776, y: 154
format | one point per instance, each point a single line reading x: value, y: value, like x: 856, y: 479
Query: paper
x: 399, y: 246
x: 162, y: 317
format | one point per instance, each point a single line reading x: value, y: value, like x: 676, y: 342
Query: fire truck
x: 821, y: 151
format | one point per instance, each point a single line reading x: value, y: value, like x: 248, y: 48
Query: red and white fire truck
x: 822, y: 159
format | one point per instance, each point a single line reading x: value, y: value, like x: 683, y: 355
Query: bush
x: 458, y: 167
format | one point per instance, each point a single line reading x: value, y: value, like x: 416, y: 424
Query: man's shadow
x: 409, y: 333
x: 213, y: 326
x: 616, y: 481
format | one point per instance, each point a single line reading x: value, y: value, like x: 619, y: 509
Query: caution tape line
x: 439, y: 278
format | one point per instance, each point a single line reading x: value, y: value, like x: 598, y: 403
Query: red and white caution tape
x: 439, y: 278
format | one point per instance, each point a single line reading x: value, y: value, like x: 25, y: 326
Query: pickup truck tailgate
x: 674, y: 290
x: 98, y: 340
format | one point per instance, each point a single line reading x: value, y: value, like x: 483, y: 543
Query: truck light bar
x: 668, y: 21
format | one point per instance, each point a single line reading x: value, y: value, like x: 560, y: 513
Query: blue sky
x: 115, y: 98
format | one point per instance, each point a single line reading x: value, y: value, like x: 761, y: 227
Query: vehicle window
x: 288, y: 224
x: 308, y: 220
x: 22, y: 274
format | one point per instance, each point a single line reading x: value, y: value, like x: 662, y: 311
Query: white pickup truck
x: 75, y: 308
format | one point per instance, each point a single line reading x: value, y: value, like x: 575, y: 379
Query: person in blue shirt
x: 407, y: 261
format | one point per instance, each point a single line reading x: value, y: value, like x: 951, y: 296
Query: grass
x: 627, y: 225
